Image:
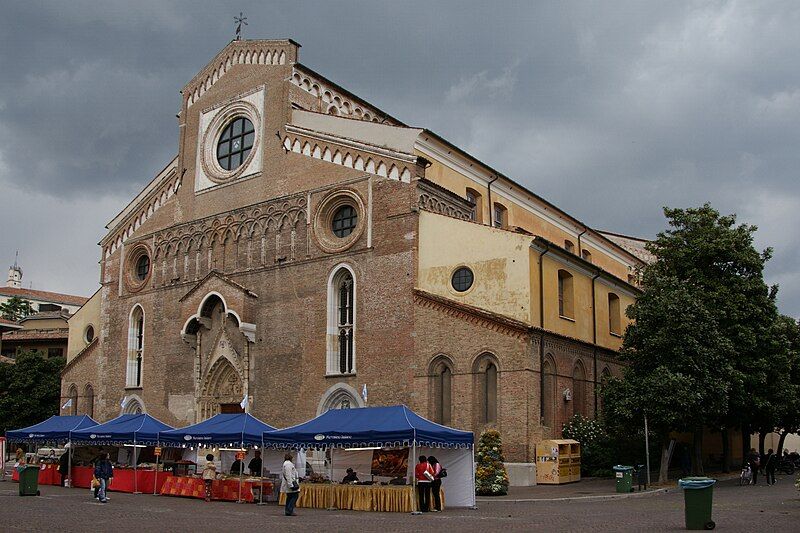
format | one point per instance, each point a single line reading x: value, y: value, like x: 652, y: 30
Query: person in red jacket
x: 424, y: 475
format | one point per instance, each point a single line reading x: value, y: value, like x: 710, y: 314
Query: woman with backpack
x: 436, y: 484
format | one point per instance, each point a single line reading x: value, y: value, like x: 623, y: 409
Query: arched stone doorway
x: 222, y: 390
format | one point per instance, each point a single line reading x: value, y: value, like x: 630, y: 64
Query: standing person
x: 755, y: 461
x: 63, y: 466
x: 209, y: 474
x: 103, y: 471
x: 436, y: 484
x: 290, y: 484
x: 770, y: 462
x: 424, y: 475
x: 255, y: 464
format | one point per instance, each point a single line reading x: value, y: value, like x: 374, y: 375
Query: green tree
x: 15, y: 308
x: 30, y: 390
x: 491, y: 478
x: 704, y: 332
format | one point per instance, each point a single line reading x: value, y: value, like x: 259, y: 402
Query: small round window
x: 142, y: 267
x: 344, y: 221
x: 462, y: 279
x: 89, y: 334
x: 235, y: 143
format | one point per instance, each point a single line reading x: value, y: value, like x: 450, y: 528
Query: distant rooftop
x: 45, y: 296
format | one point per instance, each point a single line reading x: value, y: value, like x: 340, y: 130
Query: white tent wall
x: 459, y: 485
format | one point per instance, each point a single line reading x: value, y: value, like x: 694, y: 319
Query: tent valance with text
x: 236, y: 429
x: 54, y: 429
x: 136, y: 428
x: 394, y: 426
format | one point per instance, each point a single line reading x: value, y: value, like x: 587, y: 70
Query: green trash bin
x: 28, y: 480
x: 698, y: 495
x: 624, y: 475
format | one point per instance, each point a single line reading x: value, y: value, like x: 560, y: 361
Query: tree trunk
x: 726, y: 451
x: 697, y: 456
x: 666, y: 452
x: 745, y: 442
x: 779, y: 451
x: 762, y: 436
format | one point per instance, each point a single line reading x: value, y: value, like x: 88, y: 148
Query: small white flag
x: 122, y: 402
x: 68, y: 403
x: 244, y: 403
x: 364, y: 393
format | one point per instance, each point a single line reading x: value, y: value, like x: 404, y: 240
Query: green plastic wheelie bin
x: 624, y: 475
x: 28, y: 480
x: 698, y: 496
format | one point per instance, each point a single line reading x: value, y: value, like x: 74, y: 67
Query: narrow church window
x: 445, y: 383
x: 135, y: 348
x: 549, y: 386
x: 579, y: 390
x: 490, y: 394
x: 235, y: 143
x: 73, y: 398
x: 344, y: 221
x: 476, y: 212
x: 565, y: 294
x: 89, y: 394
x: 614, y: 322
x: 341, y: 322
x: 500, y: 216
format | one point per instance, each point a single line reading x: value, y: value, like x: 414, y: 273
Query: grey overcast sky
x: 610, y: 109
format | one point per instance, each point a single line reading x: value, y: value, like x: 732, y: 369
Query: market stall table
x: 381, y: 498
x: 48, y: 475
x: 123, y: 480
x: 221, y: 489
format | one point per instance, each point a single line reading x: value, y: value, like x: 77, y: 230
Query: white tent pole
x: 241, y: 470
x: 472, y: 456
x: 155, y: 477
x: 261, y: 475
x: 135, y: 472
x: 414, y: 478
x: 69, y: 461
x: 332, y: 506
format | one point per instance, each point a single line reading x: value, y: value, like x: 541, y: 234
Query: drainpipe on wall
x: 594, y: 340
x: 541, y: 336
x: 491, y: 206
x: 579, y: 241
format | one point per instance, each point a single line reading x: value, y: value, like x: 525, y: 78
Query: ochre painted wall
x: 87, y: 315
x: 498, y: 259
x: 518, y: 215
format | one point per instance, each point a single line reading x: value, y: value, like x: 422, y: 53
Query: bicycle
x: 746, y: 478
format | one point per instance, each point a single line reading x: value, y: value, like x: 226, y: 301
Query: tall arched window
x: 341, y: 322
x: 614, y: 318
x: 579, y: 390
x: 486, y: 371
x: 135, y: 348
x: 88, y: 394
x: 500, y: 218
x: 73, y: 400
x: 565, y: 294
x: 549, y: 394
x: 442, y: 382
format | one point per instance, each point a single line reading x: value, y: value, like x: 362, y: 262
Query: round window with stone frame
x: 230, y: 142
x: 88, y: 334
x: 138, y: 268
x: 337, y: 221
x: 462, y: 279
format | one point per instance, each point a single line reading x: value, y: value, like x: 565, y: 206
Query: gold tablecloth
x: 383, y: 498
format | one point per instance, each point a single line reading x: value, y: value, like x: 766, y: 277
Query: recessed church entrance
x: 230, y: 408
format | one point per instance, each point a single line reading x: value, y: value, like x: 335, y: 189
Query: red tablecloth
x: 48, y: 475
x: 221, y: 489
x: 145, y: 479
x: 123, y: 479
x: 82, y: 476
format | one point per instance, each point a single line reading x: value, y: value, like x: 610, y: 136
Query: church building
x: 304, y: 244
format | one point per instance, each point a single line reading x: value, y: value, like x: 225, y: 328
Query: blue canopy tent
x: 55, y: 429
x: 136, y: 429
x: 238, y: 429
x: 388, y: 427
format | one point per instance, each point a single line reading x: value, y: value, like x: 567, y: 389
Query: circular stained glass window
x: 344, y: 221
x: 142, y: 267
x: 89, y: 334
x: 462, y: 279
x: 235, y: 143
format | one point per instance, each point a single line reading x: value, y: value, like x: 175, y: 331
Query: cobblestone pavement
x: 735, y: 509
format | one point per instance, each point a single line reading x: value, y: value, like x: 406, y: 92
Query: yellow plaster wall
x: 498, y: 260
x: 48, y: 323
x: 604, y: 335
x: 86, y: 315
x: 519, y: 215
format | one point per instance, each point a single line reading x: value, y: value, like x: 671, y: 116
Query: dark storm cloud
x: 609, y: 109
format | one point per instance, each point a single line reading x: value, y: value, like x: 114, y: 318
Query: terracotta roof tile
x: 56, y: 297
x: 36, y: 335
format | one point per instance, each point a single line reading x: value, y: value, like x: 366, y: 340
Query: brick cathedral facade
x: 303, y: 244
